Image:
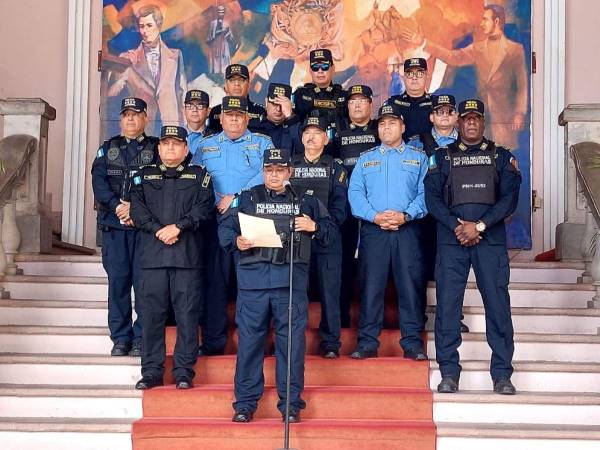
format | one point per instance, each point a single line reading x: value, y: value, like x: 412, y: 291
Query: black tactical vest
x: 329, y: 101
x: 279, y: 211
x: 473, y: 177
x: 315, y: 177
x: 353, y: 140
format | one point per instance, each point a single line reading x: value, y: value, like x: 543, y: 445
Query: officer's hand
x: 225, y: 203
x: 122, y: 210
x: 394, y: 218
x: 243, y: 243
x: 380, y: 219
x: 168, y: 234
x: 473, y: 242
x: 129, y: 223
x: 467, y: 232
x: 305, y: 223
x: 286, y: 105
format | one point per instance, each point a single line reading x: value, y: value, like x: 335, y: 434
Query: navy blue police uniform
x: 171, y: 274
x: 327, y: 179
x: 263, y: 281
x: 116, y: 161
x: 387, y: 178
x: 476, y: 183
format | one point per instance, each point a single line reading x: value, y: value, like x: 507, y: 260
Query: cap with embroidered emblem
x: 276, y: 89
x: 390, y: 109
x: 415, y: 63
x: 437, y: 101
x: 360, y: 89
x: 231, y: 103
x: 198, y: 95
x: 237, y: 70
x: 280, y: 156
x: 133, y: 103
x: 315, y: 121
x: 172, y: 131
x: 472, y: 105
x: 321, y: 55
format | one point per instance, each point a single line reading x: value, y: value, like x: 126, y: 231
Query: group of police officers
x: 367, y: 198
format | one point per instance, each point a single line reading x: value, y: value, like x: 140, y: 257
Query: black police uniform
x: 115, y: 162
x: 473, y: 183
x: 283, y: 135
x: 172, y: 274
x: 328, y: 181
x: 263, y: 281
x: 415, y: 111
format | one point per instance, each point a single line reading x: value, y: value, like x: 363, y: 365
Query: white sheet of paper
x: 260, y: 231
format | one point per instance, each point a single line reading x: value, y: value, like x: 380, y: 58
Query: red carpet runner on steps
x: 377, y: 404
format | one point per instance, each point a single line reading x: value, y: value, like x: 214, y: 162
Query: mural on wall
x: 157, y: 49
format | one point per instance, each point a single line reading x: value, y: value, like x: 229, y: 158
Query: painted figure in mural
x: 196, y: 115
x: 219, y: 40
x: 501, y: 73
x: 156, y: 73
x: 471, y: 187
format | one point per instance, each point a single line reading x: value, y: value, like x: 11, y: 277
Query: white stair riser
x: 544, y: 324
x: 63, y: 269
x: 12, y: 440
x: 522, y: 275
x: 55, y: 344
x: 70, y: 374
x: 529, y: 298
x: 516, y: 413
x: 57, y: 317
x: 80, y: 407
x: 57, y: 291
x: 480, y: 380
x: 477, y: 443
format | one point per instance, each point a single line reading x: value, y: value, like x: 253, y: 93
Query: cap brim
x: 445, y: 105
x: 130, y: 108
x: 177, y: 138
x: 466, y: 113
x: 245, y: 111
x: 304, y: 127
x: 390, y: 115
x: 246, y: 77
x: 287, y: 164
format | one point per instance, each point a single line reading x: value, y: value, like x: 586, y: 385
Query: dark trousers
x: 182, y: 289
x: 349, y: 230
x: 120, y: 259
x: 401, y: 250
x: 490, y: 264
x: 253, y: 311
x: 327, y: 267
x: 218, y: 288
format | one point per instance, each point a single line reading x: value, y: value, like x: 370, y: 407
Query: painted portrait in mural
x: 186, y: 44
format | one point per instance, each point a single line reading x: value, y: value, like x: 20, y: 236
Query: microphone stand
x: 288, y: 375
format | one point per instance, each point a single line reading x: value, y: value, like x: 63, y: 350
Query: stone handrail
x: 15, y: 155
x: 586, y: 156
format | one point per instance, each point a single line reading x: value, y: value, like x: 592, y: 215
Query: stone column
x: 33, y: 205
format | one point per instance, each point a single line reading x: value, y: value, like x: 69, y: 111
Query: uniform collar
x: 139, y: 139
x: 383, y: 148
x: 483, y: 145
x: 314, y: 161
x: 247, y: 136
x: 437, y: 136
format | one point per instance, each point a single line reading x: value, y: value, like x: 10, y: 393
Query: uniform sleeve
x: 301, y: 106
x: 357, y: 195
x: 417, y: 208
x: 229, y: 224
x: 202, y: 209
x: 434, y: 192
x: 103, y: 193
x: 339, y: 198
x: 140, y: 213
x: 257, y: 179
x: 508, y: 190
x: 318, y: 212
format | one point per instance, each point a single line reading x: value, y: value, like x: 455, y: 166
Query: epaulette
x: 192, y: 164
x: 339, y: 161
x: 259, y: 104
x: 100, y: 152
x: 147, y: 166
x: 261, y: 135
x: 369, y: 150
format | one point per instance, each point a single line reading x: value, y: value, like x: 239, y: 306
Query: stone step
x: 70, y: 288
x: 65, y: 433
x: 53, y: 313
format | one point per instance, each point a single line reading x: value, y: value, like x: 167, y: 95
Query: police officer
x: 170, y: 204
x: 322, y: 95
x: 280, y: 123
x: 352, y: 137
x: 115, y: 162
x: 196, y: 114
x: 263, y: 281
x: 414, y: 103
x: 471, y: 187
x: 328, y: 181
x: 237, y: 84
x: 234, y: 159
x: 386, y: 193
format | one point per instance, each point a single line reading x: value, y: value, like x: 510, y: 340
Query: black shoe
x: 363, y: 354
x: 503, y: 386
x: 184, y: 383
x: 415, y: 354
x: 242, y: 416
x: 136, y: 349
x: 294, y: 417
x: 120, y: 349
x: 203, y: 351
x: 148, y: 383
x: 448, y: 385
x: 330, y: 353
x: 463, y: 327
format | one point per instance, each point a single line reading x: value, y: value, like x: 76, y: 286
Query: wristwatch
x: 407, y: 217
x: 480, y: 226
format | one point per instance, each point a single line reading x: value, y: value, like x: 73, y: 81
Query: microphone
x: 288, y: 187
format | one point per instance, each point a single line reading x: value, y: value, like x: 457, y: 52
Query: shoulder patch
x: 234, y: 203
x: 100, y: 152
x: 432, y: 162
x: 137, y: 180
x: 342, y: 177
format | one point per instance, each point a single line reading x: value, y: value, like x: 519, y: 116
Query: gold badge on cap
x: 443, y: 99
x: 313, y: 121
x: 357, y: 90
x: 171, y: 131
x: 234, y: 103
x: 130, y: 102
x: 279, y: 90
x: 387, y: 109
x: 319, y: 54
x: 275, y: 154
x: 471, y: 104
x: 236, y: 69
x: 414, y: 62
x: 195, y: 94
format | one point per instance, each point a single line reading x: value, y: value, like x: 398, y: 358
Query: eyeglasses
x: 414, y: 75
x: 358, y: 101
x: 323, y: 66
x: 444, y: 112
x: 194, y: 107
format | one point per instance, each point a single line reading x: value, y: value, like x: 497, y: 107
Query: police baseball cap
x: 237, y: 70
x: 415, y: 63
x: 321, y: 55
x: 230, y: 103
x: 315, y: 121
x: 437, y: 101
x: 280, y: 156
x: 172, y: 131
x: 196, y: 94
x: 390, y: 109
x: 276, y: 89
x: 133, y: 103
x: 360, y: 89
x: 472, y: 105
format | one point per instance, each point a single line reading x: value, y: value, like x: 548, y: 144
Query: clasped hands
x: 122, y: 212
x: 168, y: 234
x: 389, y: 220
x: 467, y: 234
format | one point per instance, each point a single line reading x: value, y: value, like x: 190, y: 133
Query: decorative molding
x: 554, y: 102
x: 76, y: 121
